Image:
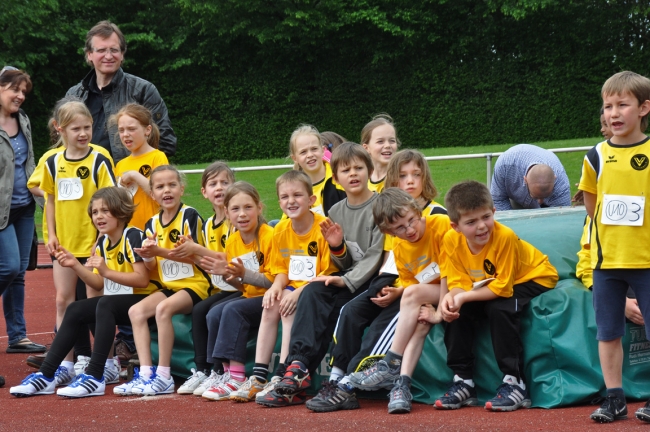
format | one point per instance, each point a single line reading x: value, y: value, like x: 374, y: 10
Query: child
x: 379, y: 138
x: 330, y: 141
x: 300, y: 253
x: 184, y: 284
x: 358, y: 254
x: 417, y: 248
x: 513, y: 272
x: 119, y: 272
x: 604, y: 129
x: 69, y: 179
x: 249, y: 256
x: 617, y: 260
x: 307, y: 153
x: 216, y: 178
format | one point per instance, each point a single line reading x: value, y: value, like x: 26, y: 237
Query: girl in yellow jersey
x: 140, y: 135
x: 248, y: 253
x: 379, y: 138
x: 184, y: 283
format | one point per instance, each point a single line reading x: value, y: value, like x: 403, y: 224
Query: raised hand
x: 332, y: 232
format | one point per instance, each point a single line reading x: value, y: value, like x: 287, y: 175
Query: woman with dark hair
x: 16, y: 205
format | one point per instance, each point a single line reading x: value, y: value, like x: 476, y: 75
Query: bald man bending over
x: 528, y: 177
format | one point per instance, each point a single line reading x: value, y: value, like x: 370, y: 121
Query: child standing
x: 615, y: 198
x: 480, y: 249
x: 379, y: 138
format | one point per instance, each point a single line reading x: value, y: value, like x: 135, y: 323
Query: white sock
x: 509, y: 379
x: 469, y: 382
x: 336, y: 374
x: 110, y: 363
x: 146, y: 371
x: 69, y: 366
x: 164, y: 371
x: 345, y: 380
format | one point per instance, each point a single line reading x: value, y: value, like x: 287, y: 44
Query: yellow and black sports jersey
x: 414, y: 260
x: 288, y: 247
x: 584, y: 271
x: 121, y: 256
x: 144, y: 164
x: 72, y: 183
x: 37, y: 175
x: 327, y: 193
x: 619, y: 176
x: 216, y: 233
x: 176, y: 275
x: 256, y: 256
x: 376, y: 186
x: 505, y: 257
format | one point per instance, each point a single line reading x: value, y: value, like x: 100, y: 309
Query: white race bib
x: 429, y: 274
x: 354, y: 250
x: 218, y: 281
x: 132, y: 188
x: 302, y: 268
x: 69, y: 189
x: 174, y: 270
x: 389, y: 266
x: 318, y: 210
x: 622, y: 210
x: 250, y: 261
x: 114, y: 288
x: 481, y: 284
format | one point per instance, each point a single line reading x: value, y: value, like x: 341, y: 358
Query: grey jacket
x: 7, y: 166
x: 129, y: 88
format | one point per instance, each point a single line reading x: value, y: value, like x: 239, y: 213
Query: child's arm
x: 148, y: 252
x: 50, y: 216
x: 66, y: 259
x: 456, y: 297
x: 387, y: 295
x: 130, y: 177
x: 590, y: 203
x: 185, y: 247
x: 139, y: 278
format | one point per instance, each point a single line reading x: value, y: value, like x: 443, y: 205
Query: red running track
x: 173, y: 412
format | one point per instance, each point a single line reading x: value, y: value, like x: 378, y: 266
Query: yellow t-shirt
x: 619, y: 176
x: 415, y: 261
x: 319, y: 190
x: 121, y: 256
x: 288, y: 244
x: 144, y: 164
x: 72, y: 183
x: 583, y: 268
x: 35, y: 179
x: 505, y: 257
x: 175, y: 275
x: 376, y: 186
x: 255, y: 256
x: 215, y: 236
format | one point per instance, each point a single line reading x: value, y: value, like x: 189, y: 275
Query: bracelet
x: 337, y: 248
x: 147, y: 259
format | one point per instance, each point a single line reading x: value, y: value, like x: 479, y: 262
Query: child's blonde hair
x: 294, y: 176
x: 629, y: 82
x: 303, y: 129
x: 429, y: 191
x: 118, y: 201
x: 66, y: 114
x: 247, y: 189
x: 143, y: 116
x: 378, y: 120
x: 391, y: 204
x: 214, y: 169
x: 54, y: 120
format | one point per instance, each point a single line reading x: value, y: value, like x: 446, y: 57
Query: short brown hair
x: 429, y: 191
x: 161, y: 168
x: 104, y: 30
x: 14, y: 78
x: 214, y: 169
x: 467, y: 196
x: 143, y: 116
x: 295, y: 176
x: 392, y: 203
x: 378, y: 120
x: 118, y: 201
x: 343, y: 155
x: 632, y: 83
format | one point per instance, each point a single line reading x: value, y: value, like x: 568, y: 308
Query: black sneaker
x: 458, y: 395
x: 612, y: 409
x: 275, y: 400
x: 294, y: 381
x: 331, y: 397
x: 510, y: 397
x: 643, y: 413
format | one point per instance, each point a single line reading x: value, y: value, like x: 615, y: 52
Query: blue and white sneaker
x: 34, y: 384
x: 154, y: 386
x: 83, y: 386
x: 510, y: 397
x: 81, y: 365
x: 63, y: 377
x: 126, y: 389
x: 112, y: 372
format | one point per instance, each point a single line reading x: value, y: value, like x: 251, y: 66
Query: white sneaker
x: 268, y: 388
x: 222, y: 391
x: 34, y: 384
x: 63, y: 377
x: 192, y: 383
x: 212, y: 381
x: 83, y: 386
x: 126, y: 389
x: 154, y: 386
x: 81, y: 365
x: 248, y: 390
x: 112, y: 372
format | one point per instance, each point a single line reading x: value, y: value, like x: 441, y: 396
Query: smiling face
x: 382, y: 144
x: 623, y: 115
x: 295, y: 200
x: 215, y: 188
x: 243, y: 212
x: 133, y: 134
x: 308, y: 153
x: 477, y: 226
x: 78, y: 133
x: 102, y: 218
x: 353, y: 177
x: 12, y: 97
x: 604, y: 129
x: 410, y: 179
x: 106, y: 55
x: 167, y: 190
x: 409, y: 227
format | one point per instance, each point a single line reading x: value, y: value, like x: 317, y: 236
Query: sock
x: 69, y: 366
x: 510, y: 379
x: 164, y: 371
x: 110, y: 363
x: 146, y: 371
x: 406, y: 380
x: 226, y: 367
x: 394, y: 360
x: 344, y: 384
x: 469, y: 382
x: 218, y: 367
x: 300, y: 364
x: 238, y: 373
x: 260, y: 371
x: 281, y: 369
x: 618, y: 392
x: 336, y: 374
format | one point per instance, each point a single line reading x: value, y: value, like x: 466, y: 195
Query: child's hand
x: 52, y: 245
x: 387, y: 295
x: 270, y: 296
x: 127, y: 178
x: 332, y: 232
x: 96, y: 261
x: 336, y: 281
x: 149, y: 247
x: 429, y: 315
x: 632, y: 311
x: 215, y: 266
x: 578, y: 198
x: 184, y: 247
x: 289, y: 302
x: 447, y: 308
x: 236, y: 269
x: 65, y: 258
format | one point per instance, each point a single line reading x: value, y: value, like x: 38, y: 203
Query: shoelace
x: 329, y: 389
x: 610, y: 404
x: 504, y: 390
x: 78, y: 380
x: 455, y: 387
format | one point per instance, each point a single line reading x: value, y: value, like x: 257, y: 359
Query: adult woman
x: 16, y: 205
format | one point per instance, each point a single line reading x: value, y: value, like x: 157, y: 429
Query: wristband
x: 147, y: 259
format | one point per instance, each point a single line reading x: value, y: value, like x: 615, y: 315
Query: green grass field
x: 445, y: 173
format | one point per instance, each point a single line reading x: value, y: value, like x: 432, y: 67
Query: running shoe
x: 378, y: 376
x: 248, y: 390
x: 510, y: 397
x: 612, y: 409
x: 112, y: 371
x: 223, y: 391
x: 154, y: 386
x: 63, y: 377
x: 270, y: 386
x: 212, y: 381
x: 81, y: 365
x: 192, y: 383
x: 294, y: 381
x: 643, y: 413
x: 274, y: 400
x: 34, y: 384
x: 83, y: 386
x: 459, y: 394
x: 333, y: 397
x: 126, y: 389
x: 400, y: 398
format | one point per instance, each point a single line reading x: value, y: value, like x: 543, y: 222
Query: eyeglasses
x: 402, y: 229
x: 8, y: 68
x: 104, y: 51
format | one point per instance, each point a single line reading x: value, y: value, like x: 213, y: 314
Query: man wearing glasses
x: 529, y: 177
x: 107, y: 88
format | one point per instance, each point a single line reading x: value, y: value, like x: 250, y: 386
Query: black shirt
x: 95, y: 104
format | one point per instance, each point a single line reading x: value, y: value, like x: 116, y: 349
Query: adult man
x: 528, y: 177
x: 107, y: 88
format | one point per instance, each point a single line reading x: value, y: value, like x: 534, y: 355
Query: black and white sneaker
x: 332, y: 397
x: 510, y: 397
x: 643, y: 413
x: 83, y: 386
x: 459, y: 394
x: 612, y: 409
x: 34, y: 384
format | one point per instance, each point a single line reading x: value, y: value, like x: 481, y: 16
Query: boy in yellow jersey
x: 615, y: 181
x: 416, y: 246
x: 490, y: 272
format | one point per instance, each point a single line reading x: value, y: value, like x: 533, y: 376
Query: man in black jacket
x: 107, y: 88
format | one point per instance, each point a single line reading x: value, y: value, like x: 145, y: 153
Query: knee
x: 136, y: 315
x: 62, y: 302
x: 163, y: 311
x: 422, y: 330
x: 271, y: 315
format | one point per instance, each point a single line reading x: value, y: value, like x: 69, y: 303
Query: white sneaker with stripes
x: 83, y: 386
x: 212, y: 381
x: 34, y: 384
x: 154, y: 386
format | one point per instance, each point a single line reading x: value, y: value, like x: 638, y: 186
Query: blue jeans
x: 16, y: 237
